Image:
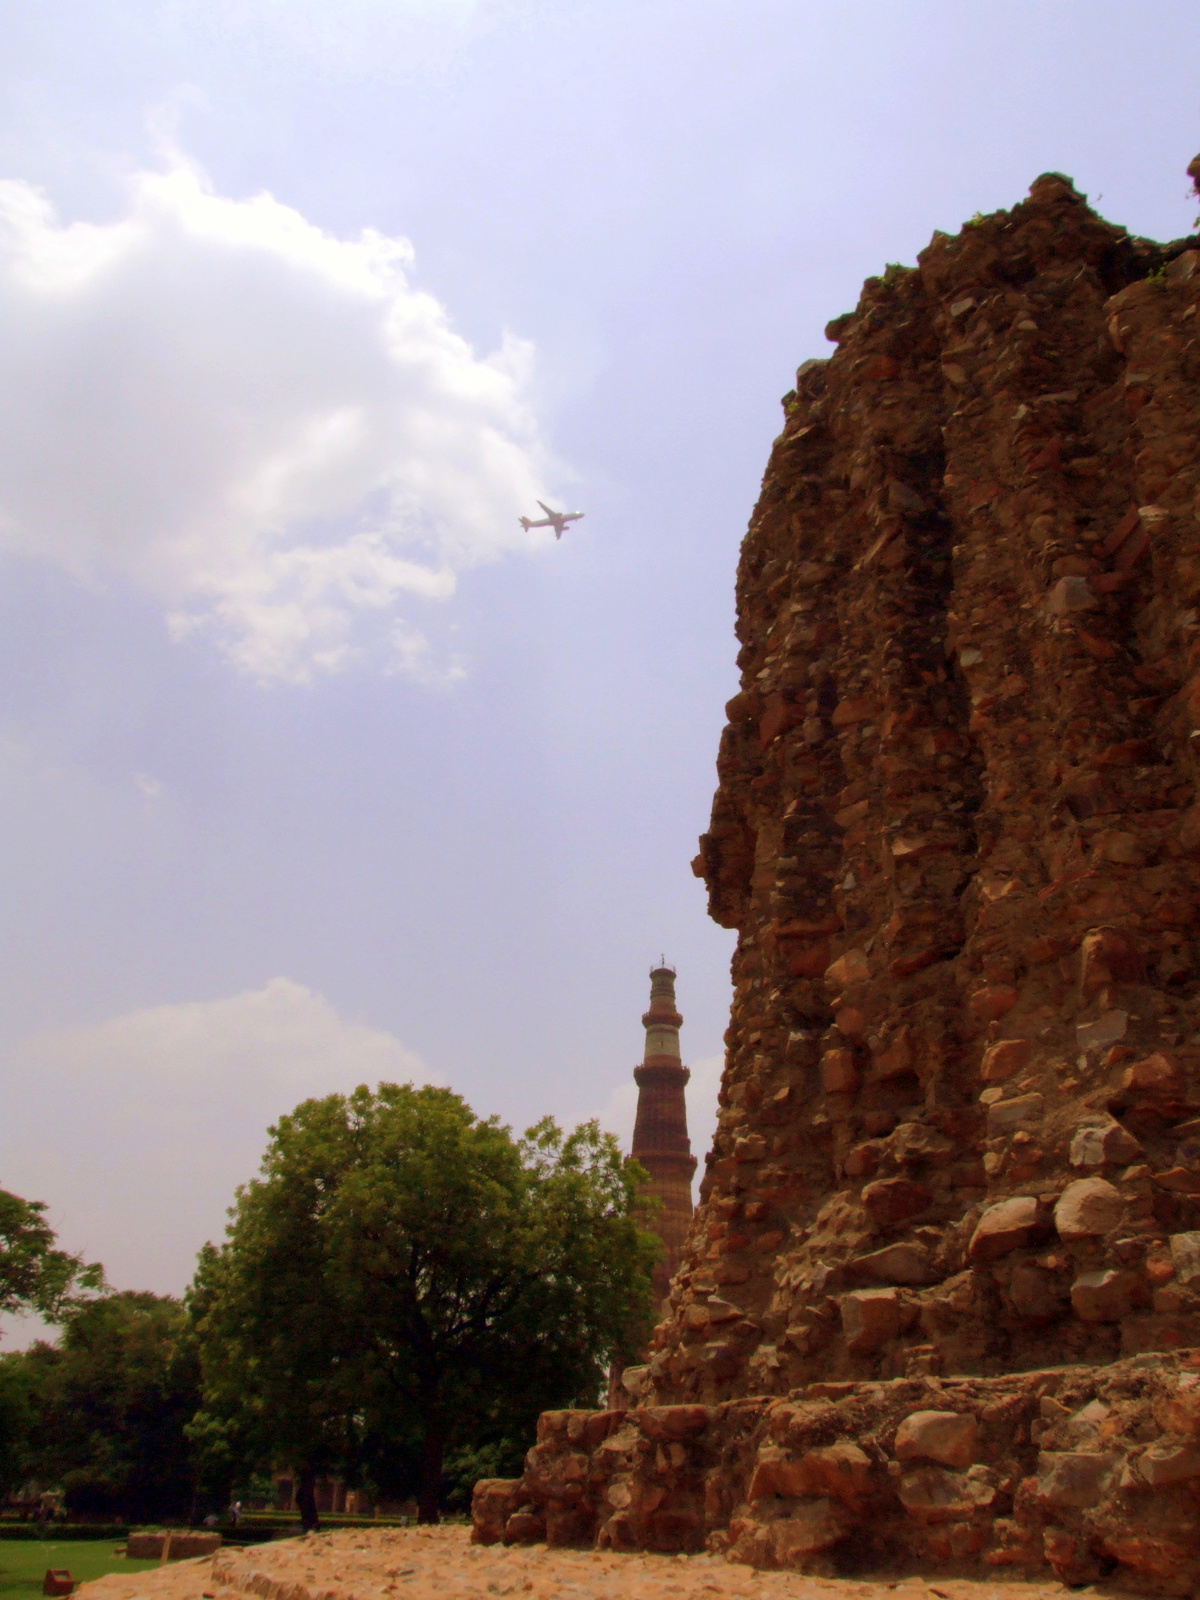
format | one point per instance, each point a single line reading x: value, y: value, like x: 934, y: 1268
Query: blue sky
x: 315, y: 767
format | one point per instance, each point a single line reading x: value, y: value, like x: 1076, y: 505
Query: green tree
x: 106, y: 1408
x: 17, y: 1418
x: 406, y: 1279
x: 34, y: 1276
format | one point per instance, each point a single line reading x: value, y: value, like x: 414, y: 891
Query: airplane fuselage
x: 557, y: 520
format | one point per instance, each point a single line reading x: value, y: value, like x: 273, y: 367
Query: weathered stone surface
x: 1037, y: 1292
x: 1001, y: 1060
x: 1156, y: 1081
x: 1006, y: 1115
x: 1182, y: 1410
x: 1106, y: 956
x: 1169, y: 1463
x: 935, y: 1495
x: 1004, y: 1227
x: 910, y: 1262
x: 493, y: 1502
x: 839, y: 1072
x: 870, y: 1317
x: 811, y: 1528
x: 944, y: 1436
x: 892, y: 1200
x: 1087, y: 1207
x: 1106, y: 1030
x: 853, y: 967
x: 1108, y: 1295
x: 841, y: 1470
x: 1103, y: 1142
x: 1082, y: 1454
x: 672, y: 1423
x: 1072, y: 1479
x: 1185, y: 1257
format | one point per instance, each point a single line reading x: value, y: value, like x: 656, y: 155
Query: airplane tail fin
x: 525, y: 523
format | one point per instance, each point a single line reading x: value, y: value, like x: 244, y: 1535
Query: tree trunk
x: 306, y: 1500
x: 429, y: 1493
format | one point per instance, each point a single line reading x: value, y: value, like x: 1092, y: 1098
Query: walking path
x: 441, y: 1564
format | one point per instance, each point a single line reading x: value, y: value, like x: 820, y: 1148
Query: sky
x: 315, y: 767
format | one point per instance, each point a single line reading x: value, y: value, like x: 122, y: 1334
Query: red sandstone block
x: 893, y: 1200
x: 1001, y: 1060
x: 839, y: 1075
x: 1156, y: 1075
x: 852, y: 711
x: 992, y: 1003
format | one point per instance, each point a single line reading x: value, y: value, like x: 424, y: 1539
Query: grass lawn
x: 23, y: 1563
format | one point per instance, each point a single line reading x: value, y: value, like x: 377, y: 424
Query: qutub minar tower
x: 660, y: 1135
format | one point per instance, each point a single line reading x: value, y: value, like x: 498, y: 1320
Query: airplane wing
x: 545, y: 508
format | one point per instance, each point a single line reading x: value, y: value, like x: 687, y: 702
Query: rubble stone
x: 933, y: 1494
x: 1103, y: 1143
x: 1086, y: 1207
x: 870, y: 1317
x: 1072, y: 1479
x: 1108, y: 1295
x: 1005, y: 1227
x: 1001, y: 1060
x: 944, y: 1436
x: 1185, y: 1257
x: 910, y: 1262
x: 815, y: 1526
x: 841, y: 1470
x: 1169, y: 1463
x: 892, y: 1200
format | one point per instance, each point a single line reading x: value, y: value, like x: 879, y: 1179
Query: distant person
x: 235, y: 1513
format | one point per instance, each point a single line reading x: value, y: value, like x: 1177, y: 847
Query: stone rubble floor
x: 440, y: 1563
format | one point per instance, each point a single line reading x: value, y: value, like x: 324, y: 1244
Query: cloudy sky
x: 316, y: 768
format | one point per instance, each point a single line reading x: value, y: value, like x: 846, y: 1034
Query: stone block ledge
x: 1075, y: 1472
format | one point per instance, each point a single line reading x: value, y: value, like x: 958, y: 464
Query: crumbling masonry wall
x: 958, y: 833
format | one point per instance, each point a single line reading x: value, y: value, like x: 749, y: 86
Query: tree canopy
x: 405, y: 1278
x: 102, y: 1415
x: 34, y: 1276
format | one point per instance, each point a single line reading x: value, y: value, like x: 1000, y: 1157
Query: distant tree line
x: 401, y: 1290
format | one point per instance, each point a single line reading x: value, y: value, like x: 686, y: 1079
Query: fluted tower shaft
x: 660, y: 1135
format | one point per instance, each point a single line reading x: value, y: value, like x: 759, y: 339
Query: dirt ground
x: 441, y: 1564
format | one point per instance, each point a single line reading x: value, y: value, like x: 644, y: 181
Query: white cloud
x: 621, y: 1110
x: 137, y: 1130
x: 267, y: 428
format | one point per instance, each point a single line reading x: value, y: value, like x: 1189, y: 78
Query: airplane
x: 553, y: 519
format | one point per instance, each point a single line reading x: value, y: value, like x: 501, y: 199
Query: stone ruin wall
x: 958, y: 833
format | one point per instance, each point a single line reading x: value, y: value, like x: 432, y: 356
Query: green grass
x: 23, y: 1566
